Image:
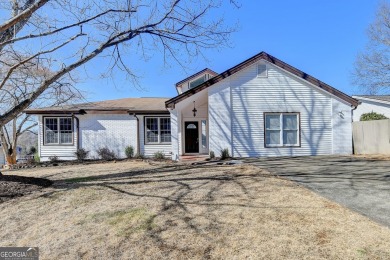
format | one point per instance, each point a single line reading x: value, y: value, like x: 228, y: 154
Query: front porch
x: 194, y: 158
x: 190, y: 130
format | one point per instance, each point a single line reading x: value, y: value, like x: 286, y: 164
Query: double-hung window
x: 157, y: 130
x: 281, y: 129
x: 58, y: 130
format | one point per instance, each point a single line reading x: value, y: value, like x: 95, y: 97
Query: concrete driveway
x: 360, y: 184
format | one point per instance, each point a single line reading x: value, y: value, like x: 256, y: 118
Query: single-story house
x: 260, y: 107
x: 372, y: 103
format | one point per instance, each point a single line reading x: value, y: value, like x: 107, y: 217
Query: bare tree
x: 11, y: 132
x: 65, y: 34
x: 20, y: 81
x: 372, y: 67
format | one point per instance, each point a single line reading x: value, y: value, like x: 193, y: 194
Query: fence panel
x: 371, y: 137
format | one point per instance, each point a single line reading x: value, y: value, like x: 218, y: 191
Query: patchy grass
x: 138, y: 210
x: 125, y: 222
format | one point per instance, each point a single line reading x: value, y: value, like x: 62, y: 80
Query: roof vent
x: 262, y: 71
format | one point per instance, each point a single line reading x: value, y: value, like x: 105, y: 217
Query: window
x: 281, y: 129
x: 204, y: 136
x: 165, y: 130
x: 157, y: 130
x: 58, y: 130
x: 198, y: 81
x: 262, y: 71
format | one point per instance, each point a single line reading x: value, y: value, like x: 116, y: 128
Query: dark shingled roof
x: 124, y: 105
x: 262, y: 56
x: 384, y: 98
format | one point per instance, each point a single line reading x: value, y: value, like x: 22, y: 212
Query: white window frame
x: 281, y: 143
x: 266, y: 70
x: 158, y: 129
x: 58, y: 130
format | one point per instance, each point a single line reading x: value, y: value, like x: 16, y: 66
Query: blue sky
x: 320, y: 38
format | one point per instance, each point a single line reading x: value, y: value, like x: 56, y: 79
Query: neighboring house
x: 371, y: 103
x: 260, y: 107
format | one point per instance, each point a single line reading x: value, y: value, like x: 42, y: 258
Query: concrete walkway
x: 360, y: 184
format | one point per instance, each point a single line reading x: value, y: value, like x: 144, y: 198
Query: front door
x: 191, y: 137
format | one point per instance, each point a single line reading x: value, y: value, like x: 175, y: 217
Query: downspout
x: 78, y: 130
x: 138, y: 141
x: 353, y: 145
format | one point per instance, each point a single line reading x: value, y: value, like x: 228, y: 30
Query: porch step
x: 193, y: 158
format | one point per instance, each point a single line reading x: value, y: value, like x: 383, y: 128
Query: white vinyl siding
x: 63, y: 152
x: 342, y: 127
x: 237, y: 104
x: 148, y: 149
x: 220, y: 117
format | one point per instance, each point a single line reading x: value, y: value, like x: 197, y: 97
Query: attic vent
x: 262, y: 71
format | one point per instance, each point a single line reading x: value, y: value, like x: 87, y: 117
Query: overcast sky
x: 320, y: 38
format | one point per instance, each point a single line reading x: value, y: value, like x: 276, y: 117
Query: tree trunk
x: 11, y: 158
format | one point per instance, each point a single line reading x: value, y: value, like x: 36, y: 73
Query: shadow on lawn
x: 179, y: 189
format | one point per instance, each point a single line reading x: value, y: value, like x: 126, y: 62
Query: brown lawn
x: 137, y: 210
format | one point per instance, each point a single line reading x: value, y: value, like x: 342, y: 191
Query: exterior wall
x: 115, y: 131
x: 175, y: 122
x: 220, y: 136
x: 149, y: 149
x: 63, y: 152
x: 107, y: 130
x: 237, y: 104
x: 342, y: 127
x: 370, y: 106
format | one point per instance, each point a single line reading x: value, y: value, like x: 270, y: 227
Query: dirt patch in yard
x: 170, y: 211
x: 12, y: 186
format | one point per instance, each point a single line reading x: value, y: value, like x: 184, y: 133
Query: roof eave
x: 57, y: 112
x: 372, y: 99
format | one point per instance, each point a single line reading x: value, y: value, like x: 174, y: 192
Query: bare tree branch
x: 372, y: 66
x: 23, y: 15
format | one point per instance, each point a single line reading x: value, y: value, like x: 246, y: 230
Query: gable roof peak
x: 252, y: 60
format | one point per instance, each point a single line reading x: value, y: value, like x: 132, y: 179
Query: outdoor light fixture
x: 194, y: 110
x: 341, y: 114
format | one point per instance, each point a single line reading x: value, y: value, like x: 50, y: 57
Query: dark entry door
x: 191, y: 137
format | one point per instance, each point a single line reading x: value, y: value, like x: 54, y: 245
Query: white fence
x: 371, y: 137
